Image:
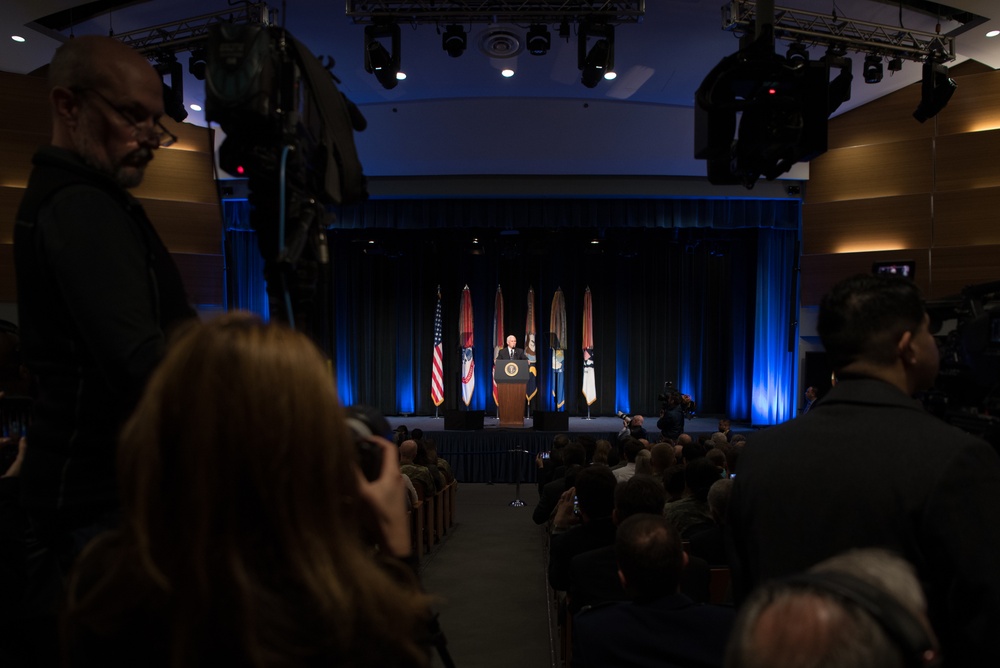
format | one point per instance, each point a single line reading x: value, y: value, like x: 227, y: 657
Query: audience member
x: 602, y: 449
x: 718, y: 459
x: 863, y: 609
x: 661, y: 457
x: 574, y: 457
x: 632, y: 428
x: 419, y: 475
x: 240, y: 538
x: 590, y: 528
x: 548, y: 468
x: 442, y: 465
x: 422, y: 459
x: 922, y: 488
x: 594, y: 574
x: 659, y: 627
x: 710, y: 544
x: 673, y: 483
x: 631, y: 448
x: 691, y: 514
x: 643, y: 465
x: 725, y: 428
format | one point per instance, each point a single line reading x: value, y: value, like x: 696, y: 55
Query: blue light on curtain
x: 245, y: 287
x: 405, y: 322
x: 774, y: 364
x: 622, y: 349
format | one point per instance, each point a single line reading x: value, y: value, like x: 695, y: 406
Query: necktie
x: 512, y: 353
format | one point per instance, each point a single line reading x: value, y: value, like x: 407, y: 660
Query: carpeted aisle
x: 489, y: 575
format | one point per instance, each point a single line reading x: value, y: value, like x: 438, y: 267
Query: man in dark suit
x: 915, y: 485
x: 511, y: 352
x: 659, y: 627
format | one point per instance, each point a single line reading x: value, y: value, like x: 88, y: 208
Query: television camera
x: 289, y: 130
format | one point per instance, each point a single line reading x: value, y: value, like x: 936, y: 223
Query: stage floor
x: 603, y: 425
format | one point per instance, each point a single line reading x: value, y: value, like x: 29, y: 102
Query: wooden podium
x: 511, y: 377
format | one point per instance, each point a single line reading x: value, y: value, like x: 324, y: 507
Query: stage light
x: 379, y: 60
x: 600, y: 59
x: 797, y: 53
x: 196, y: 64
x: 895, y: 64
x: 873, y: 68
x: 936, y: 89
x: 539, y: 40
x: 454, y: 41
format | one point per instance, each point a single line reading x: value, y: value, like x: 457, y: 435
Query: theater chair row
x: 432, y: 517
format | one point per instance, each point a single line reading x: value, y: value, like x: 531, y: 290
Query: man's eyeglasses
x: 164, y: 137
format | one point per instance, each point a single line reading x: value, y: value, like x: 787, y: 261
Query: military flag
x: 465, y: 340
x: 437, y: 371
x: 557, y: 341
x: 531, y: 389
x: 589, y: 381
x: 498, y: 339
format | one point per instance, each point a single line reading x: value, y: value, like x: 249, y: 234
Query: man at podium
x: 511, y: 352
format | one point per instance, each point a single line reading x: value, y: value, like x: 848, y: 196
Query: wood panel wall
x: 178, y: 192
x: 891, y: 188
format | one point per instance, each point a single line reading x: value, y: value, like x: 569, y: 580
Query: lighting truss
x: 495, y: 11
x: 828, y: 29
x: 189, y: 33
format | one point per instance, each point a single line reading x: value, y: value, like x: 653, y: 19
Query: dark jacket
x: 97, y: 290
x: 867, y: 467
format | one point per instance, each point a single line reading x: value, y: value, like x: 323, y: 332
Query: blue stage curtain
x: 774, y: 358
x: 245, y: 287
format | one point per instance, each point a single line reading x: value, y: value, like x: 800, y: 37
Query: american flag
x: 437, y: 374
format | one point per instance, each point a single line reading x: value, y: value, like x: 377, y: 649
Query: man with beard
x: 97, y: 289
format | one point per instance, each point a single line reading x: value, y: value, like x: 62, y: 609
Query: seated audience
x: 422, y: 459
x: 242, y: 512
x: 594, y: 574
x: 419, y: 475
x: 602, y: 450
x: 631, y: 447
x: 673, y: 483
x: 574, y: 457
x: 442, y: 465
x: 718, y: 458
x: 863, y: 609
x: 659, y: 627
x: 643, y: 465
x: 691, y: 514
x: 710, y: 544
x: 661, y: 457
x: 552, y: 467
x: 588, y: 529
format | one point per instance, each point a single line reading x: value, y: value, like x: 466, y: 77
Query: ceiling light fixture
x: 454, y: 40
x: 381, y: 62
x: 873, y: 68
x: 539, y: 40
x: 797, y: 53
x: 17, y: 38
x: 600, y: 59
x: 507, y: 73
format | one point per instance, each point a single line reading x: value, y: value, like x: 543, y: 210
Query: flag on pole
x: 465, y: 340
x: 531, y: 389
x: 557, y: 341
x: 437, y: 372
x: 498, y: 339
x: 589, y: 382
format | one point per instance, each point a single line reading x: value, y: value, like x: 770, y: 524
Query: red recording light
x: 772, y: 91
x: 239, y: 169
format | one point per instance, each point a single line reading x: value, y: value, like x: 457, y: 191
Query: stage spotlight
x: 839, y: 91
x: 196, y: 64
x: 873, y: 68
x: 797, y: 53
x: 600, y: 59
x: 936, y: 89
x: 539, y: 40
x: 895, y: 64
x: 454, y: 41
x: 379, y: 60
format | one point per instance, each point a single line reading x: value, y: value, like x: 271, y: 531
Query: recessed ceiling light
x: 993, y: 33
x: 508, y: 73
x: 610, y: 74
x: 195, y: 107
x: 17, y: 38
x: 400, y: 76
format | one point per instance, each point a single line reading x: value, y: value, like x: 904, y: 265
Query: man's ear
x: 65, y: 106
x: 904, y: 348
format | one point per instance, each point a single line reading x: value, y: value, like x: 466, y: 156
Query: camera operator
x: 671, y: 422
x: 632, y: 427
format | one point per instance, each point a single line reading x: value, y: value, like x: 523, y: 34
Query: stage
x: 507, y: 455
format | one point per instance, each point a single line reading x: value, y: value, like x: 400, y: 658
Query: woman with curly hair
x: 242, y: 514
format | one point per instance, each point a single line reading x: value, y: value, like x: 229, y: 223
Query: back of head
x: 699, y: 476
x: 862, y: 609
x: 595, y: 489
x: 632, y: 448
x: 639, y: 494
x: 232, y: 495
x: 718, y: 498
x: 650, y: 556
x: 643, y: 466
x: 862, y: 318
x: 574, y: 454
x: 717, y: 457
x: 661, y: 457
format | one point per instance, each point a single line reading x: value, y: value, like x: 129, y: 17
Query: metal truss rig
x: 189, y: 33
x: 495, y: 11
x: 830, y: 30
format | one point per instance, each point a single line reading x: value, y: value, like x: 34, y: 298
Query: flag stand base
x: 588, y: 415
